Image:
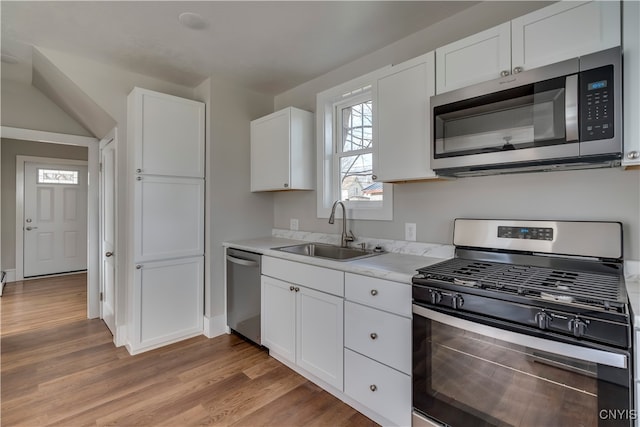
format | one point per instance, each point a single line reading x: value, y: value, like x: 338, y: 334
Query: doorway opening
x: 92, y: 210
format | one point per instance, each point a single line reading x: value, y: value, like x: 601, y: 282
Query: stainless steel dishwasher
x: 243, y: 293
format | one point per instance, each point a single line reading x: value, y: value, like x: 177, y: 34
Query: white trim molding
x: 93, y: 256
x: 215, y: 326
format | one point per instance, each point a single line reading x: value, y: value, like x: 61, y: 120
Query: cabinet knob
x: 138, y: 170
x: 291, y: 288
x: 374, y: 292
x: 517, y: 70
x: 632, y: 155
x: 297, y: 289
x: 373, y: 336
x: 374, y: 177
x: 139, y: 178
x: 373, y: 387
x: 138, y: 267
x: 108, y: 254
x: 504, y: 73
x: 286, y: 185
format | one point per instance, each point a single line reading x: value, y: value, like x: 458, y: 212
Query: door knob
x: 30, y: 228
x: 108, y: 254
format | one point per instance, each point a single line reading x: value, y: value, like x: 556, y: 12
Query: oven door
x: 466, y: 373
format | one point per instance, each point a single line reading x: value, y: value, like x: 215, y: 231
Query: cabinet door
x: 169, y: 134
x: 270, y: 156
x: 279, y: 318
x: 474, y: 59
x: 564, y: 30
x: 320, y: 335
x: 631, y: 71
x: 169, y: 218
x: 169, y: 295
x: 401, y: 121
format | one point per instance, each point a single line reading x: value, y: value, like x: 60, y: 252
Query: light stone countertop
x: 391, y: 266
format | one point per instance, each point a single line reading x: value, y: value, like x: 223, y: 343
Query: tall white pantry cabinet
x: 166, y: 149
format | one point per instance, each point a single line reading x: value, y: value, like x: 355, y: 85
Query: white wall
x: 609, y: 194
x: 24, y: 106
x: 235, y: 212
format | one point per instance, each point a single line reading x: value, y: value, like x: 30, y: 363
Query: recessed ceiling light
x: 9, y: 59
x: 193, y: 21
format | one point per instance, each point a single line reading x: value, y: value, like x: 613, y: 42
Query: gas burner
x: 566, y: 299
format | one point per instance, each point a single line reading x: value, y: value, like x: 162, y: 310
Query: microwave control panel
x: 596, y: 99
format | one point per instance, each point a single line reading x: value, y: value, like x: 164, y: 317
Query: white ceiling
x: 267, y: 46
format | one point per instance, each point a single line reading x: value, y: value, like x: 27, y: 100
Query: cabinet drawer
x: 380, y: 388
x: 318, y: 278
x: 382, y: 336
x: 384, y: 294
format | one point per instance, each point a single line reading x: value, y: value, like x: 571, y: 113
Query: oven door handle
x: 592, y: 355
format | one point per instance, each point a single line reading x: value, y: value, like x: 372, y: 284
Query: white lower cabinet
x: 383, y: 389
x: 378, y: 335
x: 301, y: 325
x: 360, y: 347
x: 378, y: 346
x: 278, y: 318
x: 169, y: 299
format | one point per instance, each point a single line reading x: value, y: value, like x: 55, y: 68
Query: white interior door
x: 107, y: 205
x: 55, y: 218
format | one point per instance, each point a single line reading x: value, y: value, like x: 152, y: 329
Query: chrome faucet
x: 344, y: 238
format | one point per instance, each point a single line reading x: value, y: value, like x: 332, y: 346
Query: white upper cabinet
x: 563, y: 30
x: 474, y: 59
x: 631, y: 73
x: 282, y: 151
x: 169, y: 134
x: 401, y: 121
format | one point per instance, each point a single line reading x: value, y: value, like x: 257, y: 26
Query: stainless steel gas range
x: 528, y: 325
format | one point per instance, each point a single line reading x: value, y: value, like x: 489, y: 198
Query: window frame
x: 328, y: 171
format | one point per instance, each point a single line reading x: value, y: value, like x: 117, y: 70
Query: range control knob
x: 543, y: 319
x: 578, y: 327
x: 457, y: 301
x: 435, y: 296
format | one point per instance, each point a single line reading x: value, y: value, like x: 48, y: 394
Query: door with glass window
x: 55, y: 218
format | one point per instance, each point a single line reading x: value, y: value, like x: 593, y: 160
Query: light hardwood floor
x: 58, y: 368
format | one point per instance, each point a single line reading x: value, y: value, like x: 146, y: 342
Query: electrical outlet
x: 293, y: 224
x: 410, y: 231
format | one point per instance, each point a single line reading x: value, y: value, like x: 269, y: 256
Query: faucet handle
x: 350, y: 237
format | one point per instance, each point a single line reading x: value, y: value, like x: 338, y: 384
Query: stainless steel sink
x: 322, y: 250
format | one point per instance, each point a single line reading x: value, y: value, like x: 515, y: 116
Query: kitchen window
x: 346, y: 150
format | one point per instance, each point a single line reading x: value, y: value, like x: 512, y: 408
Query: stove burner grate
x: 568, y: 287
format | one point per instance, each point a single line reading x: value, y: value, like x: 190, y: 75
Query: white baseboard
x: 121, y: 336
x: 11, y: 275
x: 214, y: 326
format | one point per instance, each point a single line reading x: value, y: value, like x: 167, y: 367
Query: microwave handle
x: 571, y: 108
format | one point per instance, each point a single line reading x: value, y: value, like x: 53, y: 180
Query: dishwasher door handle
x: 245, y: 262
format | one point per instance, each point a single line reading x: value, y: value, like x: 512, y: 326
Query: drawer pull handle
x: 291, y: 288
x: 373, y: 387
x: 373, y: 335
x: 374, y: 292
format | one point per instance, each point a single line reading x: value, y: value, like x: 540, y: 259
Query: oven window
x: 462, y: 378
x: 523, y: 117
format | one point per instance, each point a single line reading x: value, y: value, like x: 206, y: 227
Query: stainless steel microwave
x: 566, y: 115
